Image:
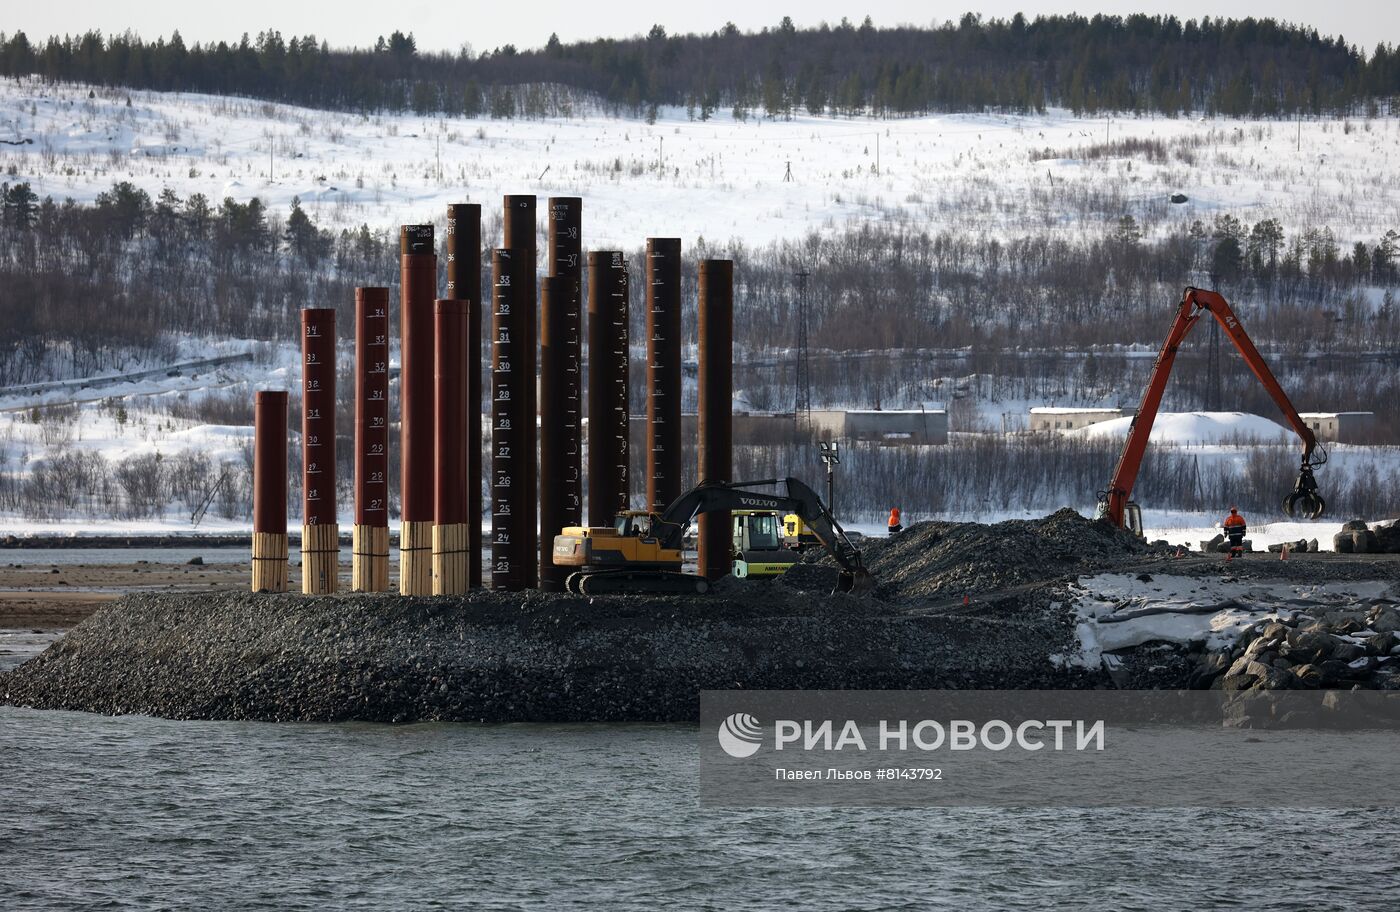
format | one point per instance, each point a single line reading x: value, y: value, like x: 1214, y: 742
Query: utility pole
x: 439, y: 155
x: 271, y: 145
x: 802, y: 400
x: 877, y: 153
x: 660, y: 154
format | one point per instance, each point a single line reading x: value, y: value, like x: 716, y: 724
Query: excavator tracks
x: 636, y: 582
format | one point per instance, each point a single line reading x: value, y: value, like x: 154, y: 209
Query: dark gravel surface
x: 502, y: 657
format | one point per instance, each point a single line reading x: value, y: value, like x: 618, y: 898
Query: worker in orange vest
x: 1234, y: 530
x: 895, y: 526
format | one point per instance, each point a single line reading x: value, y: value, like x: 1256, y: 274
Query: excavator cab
x: 759, y: 552
x: 633, y: 524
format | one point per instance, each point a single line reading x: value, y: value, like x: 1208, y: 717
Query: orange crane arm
x: 1195, y: 300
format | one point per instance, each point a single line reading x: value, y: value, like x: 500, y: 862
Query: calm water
x: 45, y: 557
x: 136, y: 813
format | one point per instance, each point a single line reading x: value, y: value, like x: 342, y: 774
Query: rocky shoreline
x: 498, y: 657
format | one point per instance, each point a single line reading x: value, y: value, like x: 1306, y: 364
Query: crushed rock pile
x: 948, y: 560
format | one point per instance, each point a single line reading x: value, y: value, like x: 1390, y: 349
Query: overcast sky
x: 447, y: 24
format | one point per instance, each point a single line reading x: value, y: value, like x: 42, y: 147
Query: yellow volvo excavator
x: 641, y: 552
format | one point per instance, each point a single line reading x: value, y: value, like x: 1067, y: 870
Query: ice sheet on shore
x: 1119, y: 610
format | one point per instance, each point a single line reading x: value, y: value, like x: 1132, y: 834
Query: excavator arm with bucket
x: 1304, y: 500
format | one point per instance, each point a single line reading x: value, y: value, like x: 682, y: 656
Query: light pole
x: 831, y: 458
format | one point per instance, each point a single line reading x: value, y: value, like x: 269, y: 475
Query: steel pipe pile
x: 512, y: 511
x: 716, y: 344
x: 270, y: 491
x: 320, y: 529
x: 607, y: 387
x: 417, y: 291
x: 451, y: 542
x: 663, y: 307
x: 518, y: 225
x: 463, y: 248
x: 369, y: 558
x: 561, y: 385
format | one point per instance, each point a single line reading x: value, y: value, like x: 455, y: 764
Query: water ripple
x: 137, y: 813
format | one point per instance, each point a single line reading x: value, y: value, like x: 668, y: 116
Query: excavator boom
x: 1304, y: 499
x: 709, y: 497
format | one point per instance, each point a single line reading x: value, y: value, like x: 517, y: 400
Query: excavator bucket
x: 855, y: 581
x: 1305, y: 502
x: 1304, y: 505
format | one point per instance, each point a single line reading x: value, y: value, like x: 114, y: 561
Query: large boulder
x: 1210, y: 667
x: 1307, y: 647
x: 1343, y: 651
x: 1308, y: 675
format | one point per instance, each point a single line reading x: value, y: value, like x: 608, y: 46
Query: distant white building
x: 888, y: 426
x: 1053, y: 418
x: 1341, y: 427
x: 892, y: 426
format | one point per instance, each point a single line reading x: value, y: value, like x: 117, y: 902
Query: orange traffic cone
x: 1283, y: 553
x: 967, y: 600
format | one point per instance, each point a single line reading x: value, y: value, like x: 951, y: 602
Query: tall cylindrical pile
x: 512, y: 511
x: 463, y: 244
x: 270, y: 491
x: 561, y: 405
x: 417, y: 290
x: 607, y: 387
x: 369, y: 559
x: 663, y: 439
x: 558, y: 464
x: 451, y: 542
x: 519, y: 229
x: 716, y: 344
x: 320, y: 530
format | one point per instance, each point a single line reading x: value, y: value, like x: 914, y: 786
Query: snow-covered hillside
x: 734, y: 184
x: 721, y: 180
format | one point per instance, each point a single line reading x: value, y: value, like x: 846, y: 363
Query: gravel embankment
x: 524, y: 657
x: 503, y: 657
